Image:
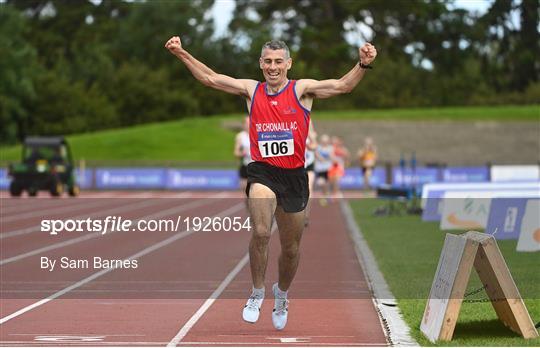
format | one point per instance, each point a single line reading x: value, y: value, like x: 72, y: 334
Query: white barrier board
x: 441, y: 289
x: 529, y: 237
x: 464, y: 210
x: 429, y: 190
x: 459, y: 255
x: 515, y: 173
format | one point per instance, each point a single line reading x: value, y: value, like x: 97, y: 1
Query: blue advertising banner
x: 354, y: 179
x: 130, y: 178
x: 84, y: 178
x: 191, y: 179
x: 418, y: 177
x: 4, y: 179
x: 505, y: 216
x: 465, y: 174
x: 433, y: 209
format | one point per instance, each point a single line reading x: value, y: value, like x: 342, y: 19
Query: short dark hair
x: 277, y: 45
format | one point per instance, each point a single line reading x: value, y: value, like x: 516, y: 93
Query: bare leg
x: 326, y: 188
x: 243, y: 185
x: 262, y: 205
x: 291, y: 226
x: 334, y: 186
x: 311, y: 181
x: 367, y: 176
x: 323, y: 183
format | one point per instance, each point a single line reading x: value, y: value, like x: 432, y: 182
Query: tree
x: 528, y: 47
x: 510, y: 53
x: 426, y: 37
x: 19, y: 68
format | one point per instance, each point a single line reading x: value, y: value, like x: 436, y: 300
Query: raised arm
x: 238, y: 150
x: 312, y: 136
x: 329, y: 88
x: 207, y: 76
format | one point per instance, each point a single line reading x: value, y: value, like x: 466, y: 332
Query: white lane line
x: 397, y: 331
x: 266, y: 337
x: 54, y: 211
x: 49, y: 248
x: 175, y: 210
x: 200, y: 312
x: 135, y: 256
x: 128, y: 207
x: 102, y: 194
x: 72, y: 334
x: 154, y: 344
x: 286, y: 344
x: 78, y: 344
x: 9, y: 206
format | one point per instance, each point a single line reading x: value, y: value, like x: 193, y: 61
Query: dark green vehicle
x: 46, y: 165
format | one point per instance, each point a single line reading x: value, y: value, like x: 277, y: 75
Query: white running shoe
x: 253, y: 307
x: 279, y: 314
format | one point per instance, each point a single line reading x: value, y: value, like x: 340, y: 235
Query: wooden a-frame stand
x: 459, y: 254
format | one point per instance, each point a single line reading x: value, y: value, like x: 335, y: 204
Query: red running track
x: 189, y: 287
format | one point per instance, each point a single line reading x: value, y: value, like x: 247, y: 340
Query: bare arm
x: 207, y: 76
x: 312, y: 136
x: 238, y: 150
x: 333, y: 87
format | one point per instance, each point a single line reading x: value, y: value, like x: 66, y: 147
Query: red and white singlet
x: 278, y: 127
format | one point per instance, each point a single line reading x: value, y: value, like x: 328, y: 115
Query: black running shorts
x: 289, y: 185
x: 323, y: 175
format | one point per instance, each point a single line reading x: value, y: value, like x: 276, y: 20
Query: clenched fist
x: 174, y: 45
x: 367, y: 53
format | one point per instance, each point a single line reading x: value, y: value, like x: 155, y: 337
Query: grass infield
x: 211, y: 139
x: 407, y: 252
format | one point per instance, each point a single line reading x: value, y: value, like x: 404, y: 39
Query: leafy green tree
x: 19, y: 67
x: 528, y: 47
x: 63, y: 106
x: 80, y: 65
x: 510, y: 54
x: 147, y: 25
x: 412, y: 33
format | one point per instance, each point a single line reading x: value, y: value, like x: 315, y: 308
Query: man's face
x: 274, y: 65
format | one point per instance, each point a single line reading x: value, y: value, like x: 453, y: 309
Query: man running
x: 324, y: 157
x: 279, y: 111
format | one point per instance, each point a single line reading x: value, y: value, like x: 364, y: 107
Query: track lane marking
x: 141, y: 253
x: 56, y: 210
x: 175, y: 210
x: 213, y: 297
x: 136, y: 205
x: 26, y: 230
x: 10, y: 206
x: 150, y: 343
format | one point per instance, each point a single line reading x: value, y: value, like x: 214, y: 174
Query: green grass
x: 204, y: 139
x: 407, y: 252
x: 188, y: 140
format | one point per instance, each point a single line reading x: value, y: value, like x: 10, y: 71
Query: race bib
x: 274, y: 144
